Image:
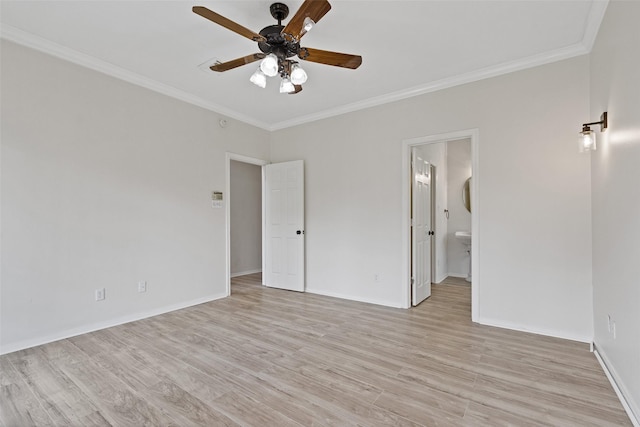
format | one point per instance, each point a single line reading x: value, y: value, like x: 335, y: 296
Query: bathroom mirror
x: 466, y: 194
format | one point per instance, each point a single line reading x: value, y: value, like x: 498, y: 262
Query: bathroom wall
x: 458, y: 171
x: 436, y: 154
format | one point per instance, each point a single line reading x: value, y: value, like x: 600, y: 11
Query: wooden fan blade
x: 313, y: 9
x: 229, y: 65
x: 330, y: 58
x: 227, y: 23
x: 298, y: 89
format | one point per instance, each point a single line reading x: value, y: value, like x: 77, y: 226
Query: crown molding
x: 596, y: 14
x: 594, y: 19
x: 484, y: 73
x: 54, y: 49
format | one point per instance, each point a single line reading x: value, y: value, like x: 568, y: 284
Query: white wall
x: 436, y: 154
x: 246, y: 218
x: 535, y: 227
x: 615, y: 87
x: 458, y: 171
x: 105, y: 184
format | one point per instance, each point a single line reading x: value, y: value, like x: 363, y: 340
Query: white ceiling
x: 408, y: 47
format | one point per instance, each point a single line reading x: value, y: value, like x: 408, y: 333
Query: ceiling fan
x: 278, y: 43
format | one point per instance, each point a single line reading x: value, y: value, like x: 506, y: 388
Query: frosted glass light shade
x: 586, y: 141
x: 286, y: 86
x: 298, y: 75
x: 258, y: 78
x: 269, y: 65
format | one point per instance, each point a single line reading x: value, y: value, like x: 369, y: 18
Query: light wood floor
x: 266, y: 357
x: 460, y: 281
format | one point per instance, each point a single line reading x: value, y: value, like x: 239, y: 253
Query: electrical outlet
x: 142, y: 286
x: 100, y: 294
x: 376, y: 277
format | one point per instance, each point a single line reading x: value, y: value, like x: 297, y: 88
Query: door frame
x: 227, y: 207
x: 407, y: 144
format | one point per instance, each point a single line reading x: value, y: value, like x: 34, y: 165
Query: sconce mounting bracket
x: 603, y: 123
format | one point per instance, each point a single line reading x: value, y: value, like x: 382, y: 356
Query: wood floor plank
x: 478, y: 415
x: 349, y: 407
x: 548, y: 380
x: 58, y: 394
x: 294, y: 406
x: 267, y: 357
x: 17, y: 404
x: 246, y: 411
x: 534, y: 404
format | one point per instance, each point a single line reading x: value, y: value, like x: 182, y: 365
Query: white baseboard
x: 459, y: 275
x: 441, y: 278
x: 610, y: 372
x: 244, y: 273
x: 68, y: 333
x: 540, y: 331
x: 354, y: 298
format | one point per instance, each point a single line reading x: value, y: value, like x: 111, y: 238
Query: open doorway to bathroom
x: 449, y: 162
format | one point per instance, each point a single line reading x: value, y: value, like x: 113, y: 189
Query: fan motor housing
x: 276, y: 43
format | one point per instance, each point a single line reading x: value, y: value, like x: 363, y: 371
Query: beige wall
x: 105, y: 184
x: 615, y: 87
x: 534, y: 207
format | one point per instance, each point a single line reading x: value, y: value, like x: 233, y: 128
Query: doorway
x: 244, y: 194
x: 407, y: 211
x: 246, y: 218
x: 282, y: 231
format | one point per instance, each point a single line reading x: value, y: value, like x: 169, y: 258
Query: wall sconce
x: 587, y: 138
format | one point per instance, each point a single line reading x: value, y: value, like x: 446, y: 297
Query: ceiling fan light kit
x: 278, y: 43
x: 286, y: 86
x: 298, y: 75
x: 259, y: 78
x: 269, y: 65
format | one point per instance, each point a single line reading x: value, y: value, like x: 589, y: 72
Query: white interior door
x: 284, y: 225
x: 421, y: 229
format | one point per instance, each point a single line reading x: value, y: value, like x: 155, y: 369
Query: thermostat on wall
x: 216, y: 199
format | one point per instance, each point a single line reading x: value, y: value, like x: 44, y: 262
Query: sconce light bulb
x: 587, y: 140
